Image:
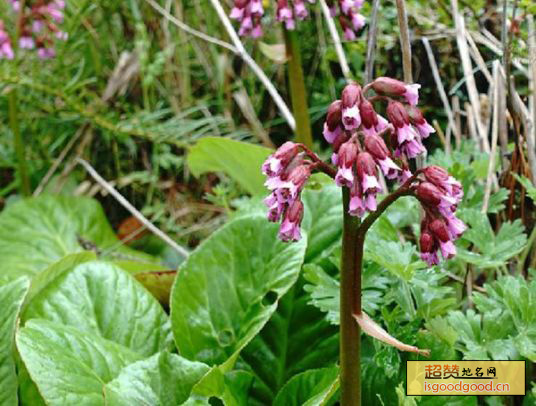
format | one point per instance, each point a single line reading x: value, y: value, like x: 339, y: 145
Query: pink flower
x: 26, y: 43
x: 290, y: 228
x: 345, y: 161
x: 351, y: 97
x: 300, y: 10
x: 393, y: 87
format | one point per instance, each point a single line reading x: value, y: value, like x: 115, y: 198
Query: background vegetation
x: 156, y: 111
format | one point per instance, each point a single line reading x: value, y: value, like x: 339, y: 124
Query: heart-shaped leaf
x: 229, y: 287
x: 70, y: 366
x: 100, y: 298
x: 241, y: 161
x: 11, y: 297
x: 39, y: 231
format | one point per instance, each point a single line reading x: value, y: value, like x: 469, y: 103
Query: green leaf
x: 70, y: 366
x: 66, y: 264
x: 322, y: 220
x: 527, y: 184
x: 297, y: 338
x: 398, y: 258
x: 11, y: 297
x: 517, y: 297
x: 240, y: 161
x: 164, y: 379
x: 483, y: 336
x: 310, y: 388
x: 230, y: 286
x: 39, y: 231
x: 324, y: 290
x: 100, y: 298
x: 492, y: 250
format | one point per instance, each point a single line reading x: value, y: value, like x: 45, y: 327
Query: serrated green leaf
x: 517, y: 297
x: 483, y: 336
x: 527, y: 184
x: 99, y: 298
x: 491, y: 250
x: 324, y: 290
x: 398, y: 258
x: 230, y: 286
x: 11, y: 297
x: 241, y: 161
x: 310, y: 388
x: 39, y: 231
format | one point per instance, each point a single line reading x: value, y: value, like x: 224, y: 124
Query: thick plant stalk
x: 19, y: 146
x: 298, y: 93
x: 350, y: 303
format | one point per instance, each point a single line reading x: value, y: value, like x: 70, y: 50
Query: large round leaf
x: 100, y: 298
x: 36, y: 232
x: 11, y: 297
x: 69, y: 366
x: 229, y: 287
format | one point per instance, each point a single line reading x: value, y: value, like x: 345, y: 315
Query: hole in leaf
x: 226, y: 337
x: 270, y: 298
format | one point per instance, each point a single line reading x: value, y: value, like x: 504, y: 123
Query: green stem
x: 350, y: 303
x: 19, y: 145
x: 298, y: 93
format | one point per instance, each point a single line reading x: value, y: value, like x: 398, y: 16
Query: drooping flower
x: 290, y: 227
x: 408, y: 140
x: 417, y: 119
x: 396, y: 88
x: 351, y: 98
x: 346, y: 158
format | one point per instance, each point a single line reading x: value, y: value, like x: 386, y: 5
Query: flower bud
x: 376, y: 147
x: 397, y: 114
x: 393, y: 87
x: 389, y: 86
x: 369, y: 118
x: 351, y: 95
x: 334, y: 115
x: 427, y: 242
x: 347, y: 154
x: 365, y: 165
x: 428, y: 194
x: 435, y: 174
x: 439, y: 230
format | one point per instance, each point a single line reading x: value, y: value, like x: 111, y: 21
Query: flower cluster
x: 349, y: 17
x: 39, y: 25
x: 365, y: 144
x: 287, y: 171
x: 249, y: 13
x: 439, y: 195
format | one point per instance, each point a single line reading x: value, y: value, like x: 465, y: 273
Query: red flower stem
x: 350, y: 303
